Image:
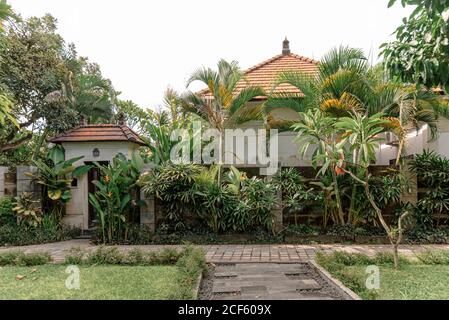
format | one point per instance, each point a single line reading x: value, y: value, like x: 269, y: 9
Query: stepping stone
x: 254, y: 290
x: 308, y: 284
x: 217, y: 288
x: 225, y: 274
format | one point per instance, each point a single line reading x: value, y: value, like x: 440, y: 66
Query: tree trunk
x: 337, y: 197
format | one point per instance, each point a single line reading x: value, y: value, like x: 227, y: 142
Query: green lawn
x: 426, y: 276
x: 410, y: 282
x: 96, y: 282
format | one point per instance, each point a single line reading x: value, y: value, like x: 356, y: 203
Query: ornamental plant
x: 115, y: 199
x: 55, y: 175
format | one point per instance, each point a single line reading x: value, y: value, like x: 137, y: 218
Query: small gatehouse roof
x: 98, y: 133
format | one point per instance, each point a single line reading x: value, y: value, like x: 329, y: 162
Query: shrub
x: 167, y: 256
x: 136, y: 257
x: 9, y: 257
x: 105, y: 255
x: 15, y: 235
x: 115, y: 197
x: 432, y: 171
x: 190, y: 265
x: 34, y: 259
x: 425, y: 236
x: 302, y: 229
x: 434, y: 257
x: 347, y: 231
x: 18, y: 258
x: 7, y: 215
x: 387, y: 258
x: 258, y: 199
x: 75, y: 256
x: 173, y: 184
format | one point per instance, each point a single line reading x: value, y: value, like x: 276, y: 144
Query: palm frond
x: 245, y: 96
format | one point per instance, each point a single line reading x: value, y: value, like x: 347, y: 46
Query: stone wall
x: 25, y: 183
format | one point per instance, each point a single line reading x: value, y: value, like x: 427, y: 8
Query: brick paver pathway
x: 237, y: 253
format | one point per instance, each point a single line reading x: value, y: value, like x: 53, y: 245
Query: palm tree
x: 222, y: 106
x: 345, y: 83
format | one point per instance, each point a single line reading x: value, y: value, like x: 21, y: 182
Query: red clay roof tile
x: 99, y: 132
x: 265, y: 74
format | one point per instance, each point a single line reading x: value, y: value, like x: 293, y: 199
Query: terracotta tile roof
x: 99, y: 132
x: 265, y: 74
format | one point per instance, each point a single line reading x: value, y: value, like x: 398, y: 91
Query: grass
x: 47, y: 282
x: 104, y: 274
x: 422, y: 279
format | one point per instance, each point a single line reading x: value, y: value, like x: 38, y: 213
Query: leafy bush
x: 15, y: 235
x: 302, y: 229
x: 18, y: 258
x: 258, y: 199
x: 75, y: 256
x: 28, y: 210
x: 425, y: 236
x: 387, y: 258
x: 112, y: 255
x: 432, y: 171
x: 55, y: 175
x: 217, y: 200
x: 434, y: 257
x: 173, y: 184
x: 113, y: 200
x: 34, y: 259
x: 105, y: 255
x: 7, y: 215
x: 346, y: 231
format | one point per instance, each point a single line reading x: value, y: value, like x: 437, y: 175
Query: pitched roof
x: 99, y: 132
x: 265, y: 74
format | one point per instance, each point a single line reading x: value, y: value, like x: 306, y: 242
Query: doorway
x: 94, y: 174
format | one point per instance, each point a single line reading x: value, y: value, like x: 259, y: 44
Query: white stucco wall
x: 77, y: 210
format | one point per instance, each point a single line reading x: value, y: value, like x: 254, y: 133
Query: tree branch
x: 16, y: 144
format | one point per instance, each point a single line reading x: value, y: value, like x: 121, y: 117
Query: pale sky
x: 144, y: 46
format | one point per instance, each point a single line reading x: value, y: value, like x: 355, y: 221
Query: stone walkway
x: 273, y: 281
x: 285, y: 253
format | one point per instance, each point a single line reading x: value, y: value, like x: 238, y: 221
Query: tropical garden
x: 344, y: 115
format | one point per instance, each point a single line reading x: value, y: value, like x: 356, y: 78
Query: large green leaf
x: 56, y: 154
x: 81, y: 170
x: 54, y: 194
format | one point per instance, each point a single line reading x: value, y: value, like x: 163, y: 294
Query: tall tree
x: 49, y: 84
x: 420, y: 53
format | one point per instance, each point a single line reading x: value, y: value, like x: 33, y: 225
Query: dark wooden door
x: 94, y: 174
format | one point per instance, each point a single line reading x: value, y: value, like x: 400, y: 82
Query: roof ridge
x: 261, y: 64
x: 65, y: 132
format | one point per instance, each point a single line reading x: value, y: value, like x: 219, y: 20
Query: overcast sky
x: 144, y: 46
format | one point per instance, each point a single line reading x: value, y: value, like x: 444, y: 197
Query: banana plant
x: 55, y: 175
x: 115, y: 196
